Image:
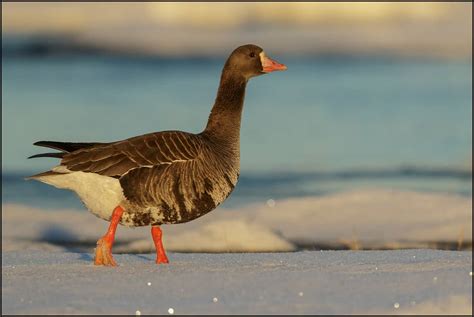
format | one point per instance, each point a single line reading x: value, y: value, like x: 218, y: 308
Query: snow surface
x: 331, y: 282
x: 47, y: 259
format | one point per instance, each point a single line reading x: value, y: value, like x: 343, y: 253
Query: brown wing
x: 117, y: 159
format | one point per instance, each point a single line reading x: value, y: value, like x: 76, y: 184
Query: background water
x: 325, y: 125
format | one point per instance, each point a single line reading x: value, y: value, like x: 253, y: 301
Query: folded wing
x: 117, y: 159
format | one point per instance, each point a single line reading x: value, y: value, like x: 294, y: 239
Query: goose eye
x: 252, y: 54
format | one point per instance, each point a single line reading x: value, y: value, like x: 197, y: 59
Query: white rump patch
x: 100, y: 194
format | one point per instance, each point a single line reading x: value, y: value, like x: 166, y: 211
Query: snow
x: 370, y: 219
x: 333, y: 282
x: 250, y: 260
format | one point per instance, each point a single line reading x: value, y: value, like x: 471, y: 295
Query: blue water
x: 302, y: 129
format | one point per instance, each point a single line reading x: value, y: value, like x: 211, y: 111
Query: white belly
x: 100, y: 194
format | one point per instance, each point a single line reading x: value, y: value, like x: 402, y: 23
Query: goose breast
x: 180, y: 191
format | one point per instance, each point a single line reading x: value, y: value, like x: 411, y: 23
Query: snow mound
x: 371, y: 218
x: 229, y: 236
x: 368, y: 219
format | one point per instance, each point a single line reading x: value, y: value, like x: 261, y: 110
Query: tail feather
x: 56, y: 155
x: 66, y: 146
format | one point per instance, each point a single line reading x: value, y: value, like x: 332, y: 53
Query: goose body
x: 159, y: 178
x: 164, y: 177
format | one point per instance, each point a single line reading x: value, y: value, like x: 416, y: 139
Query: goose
x: 166, y: 177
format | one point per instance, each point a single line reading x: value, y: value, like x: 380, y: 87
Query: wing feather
x: 117, y: 159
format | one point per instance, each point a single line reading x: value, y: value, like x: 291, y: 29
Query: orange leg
x: 156, y: 233
x: 103, y: 251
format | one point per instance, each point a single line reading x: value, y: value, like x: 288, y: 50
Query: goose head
x: 250, y: 60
